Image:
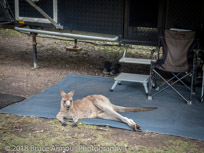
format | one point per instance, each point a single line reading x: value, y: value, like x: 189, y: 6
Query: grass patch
x: 10, y: 32
x: 31, y: 134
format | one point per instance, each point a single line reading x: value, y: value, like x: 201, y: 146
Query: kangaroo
x: 95, y: 106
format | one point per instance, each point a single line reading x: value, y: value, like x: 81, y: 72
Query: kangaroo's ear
x: 63, y: 94
x: 71, y: 93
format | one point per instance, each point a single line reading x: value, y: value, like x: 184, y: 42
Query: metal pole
x: 71, y: 35
x: 34, y: 50
x: 75, y: 43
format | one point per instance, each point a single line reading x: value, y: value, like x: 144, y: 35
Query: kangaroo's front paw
x: 74, y: 125
x: 64, y: 124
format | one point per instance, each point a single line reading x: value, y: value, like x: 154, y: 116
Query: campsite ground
x: 38, y: 134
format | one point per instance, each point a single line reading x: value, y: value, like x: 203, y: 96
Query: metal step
x: 141, y: 78
x: 135, y: 60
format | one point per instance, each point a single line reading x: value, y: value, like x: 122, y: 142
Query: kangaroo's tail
x: 132, y: 109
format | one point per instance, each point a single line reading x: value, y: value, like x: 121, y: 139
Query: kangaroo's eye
x: 71, y: 100
x: 64, y: 101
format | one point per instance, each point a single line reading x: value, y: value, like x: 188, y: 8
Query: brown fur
x: 94, y: 106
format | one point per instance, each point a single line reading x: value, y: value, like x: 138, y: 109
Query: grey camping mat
x: 173, y: 116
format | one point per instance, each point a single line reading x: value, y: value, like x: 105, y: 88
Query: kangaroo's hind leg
x: 110, y: 114
x: 106, y: 116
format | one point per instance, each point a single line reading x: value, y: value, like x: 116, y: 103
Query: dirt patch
x: 54, y: 63
x: 18, y: 78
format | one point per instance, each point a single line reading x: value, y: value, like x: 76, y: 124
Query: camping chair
x: 177, y: 49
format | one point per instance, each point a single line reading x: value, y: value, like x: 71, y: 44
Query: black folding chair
x: 178, y: 58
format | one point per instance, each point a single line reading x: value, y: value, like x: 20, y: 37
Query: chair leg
x: 154, y: 85
x: 192, y: 81
x: 150, y: 81
x: 176, y: 76
x: 171, y: 85
x: 191, y: 91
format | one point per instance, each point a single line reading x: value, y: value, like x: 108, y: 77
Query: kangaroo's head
x: 67, y: 100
